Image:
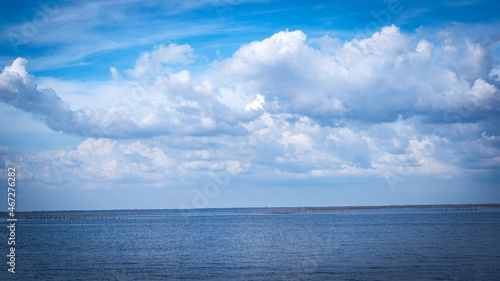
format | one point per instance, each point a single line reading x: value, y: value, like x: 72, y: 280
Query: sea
x: 251, y: 244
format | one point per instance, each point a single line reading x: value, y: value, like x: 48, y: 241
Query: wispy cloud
x: 71, y: 30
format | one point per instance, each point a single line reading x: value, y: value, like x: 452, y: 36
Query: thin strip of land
x: 450, y: 207
x: 119, y: 214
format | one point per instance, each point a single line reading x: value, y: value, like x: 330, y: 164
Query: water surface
x: 221, y: 244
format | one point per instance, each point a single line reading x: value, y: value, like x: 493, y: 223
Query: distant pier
x: 287, y: 210
x: 120, y: 214
x: 81, y: 215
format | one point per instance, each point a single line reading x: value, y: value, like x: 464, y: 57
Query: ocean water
x: 221, y: 244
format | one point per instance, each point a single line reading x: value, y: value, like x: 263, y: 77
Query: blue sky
x: 189, y: 104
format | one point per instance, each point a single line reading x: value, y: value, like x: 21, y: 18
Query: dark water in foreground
x: 220, y: 244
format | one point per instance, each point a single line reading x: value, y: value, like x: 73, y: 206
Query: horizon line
x: 493, y: 205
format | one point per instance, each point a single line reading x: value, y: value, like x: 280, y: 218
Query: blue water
x: 220, y: 244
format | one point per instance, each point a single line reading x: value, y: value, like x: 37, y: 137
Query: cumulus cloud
x: 374, y: 79
x: 114, y: 73
x: 283, y: 108
x: 177, y: 112
x: 157, y: 61
x: 18, y: 89
x: 283, y: 67
x: 256, y: 104
x: 350, y: 147
x: 94, y: 161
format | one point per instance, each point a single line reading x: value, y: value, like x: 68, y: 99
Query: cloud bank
x: 286, y: 107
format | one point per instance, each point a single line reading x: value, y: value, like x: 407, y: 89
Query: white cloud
x: 301, y: 141
x: 173, y: 105
x: 278, y: 108
x: 256, y: 104
x: 157, y: 61
x: 374, y: 79
x: 114, y: 73
x: 370, y: 79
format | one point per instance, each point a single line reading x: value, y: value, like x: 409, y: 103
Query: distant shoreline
x: 439, y: 207
x: 117, y: 214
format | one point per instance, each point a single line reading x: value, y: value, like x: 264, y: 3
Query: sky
x: 206, y: 104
